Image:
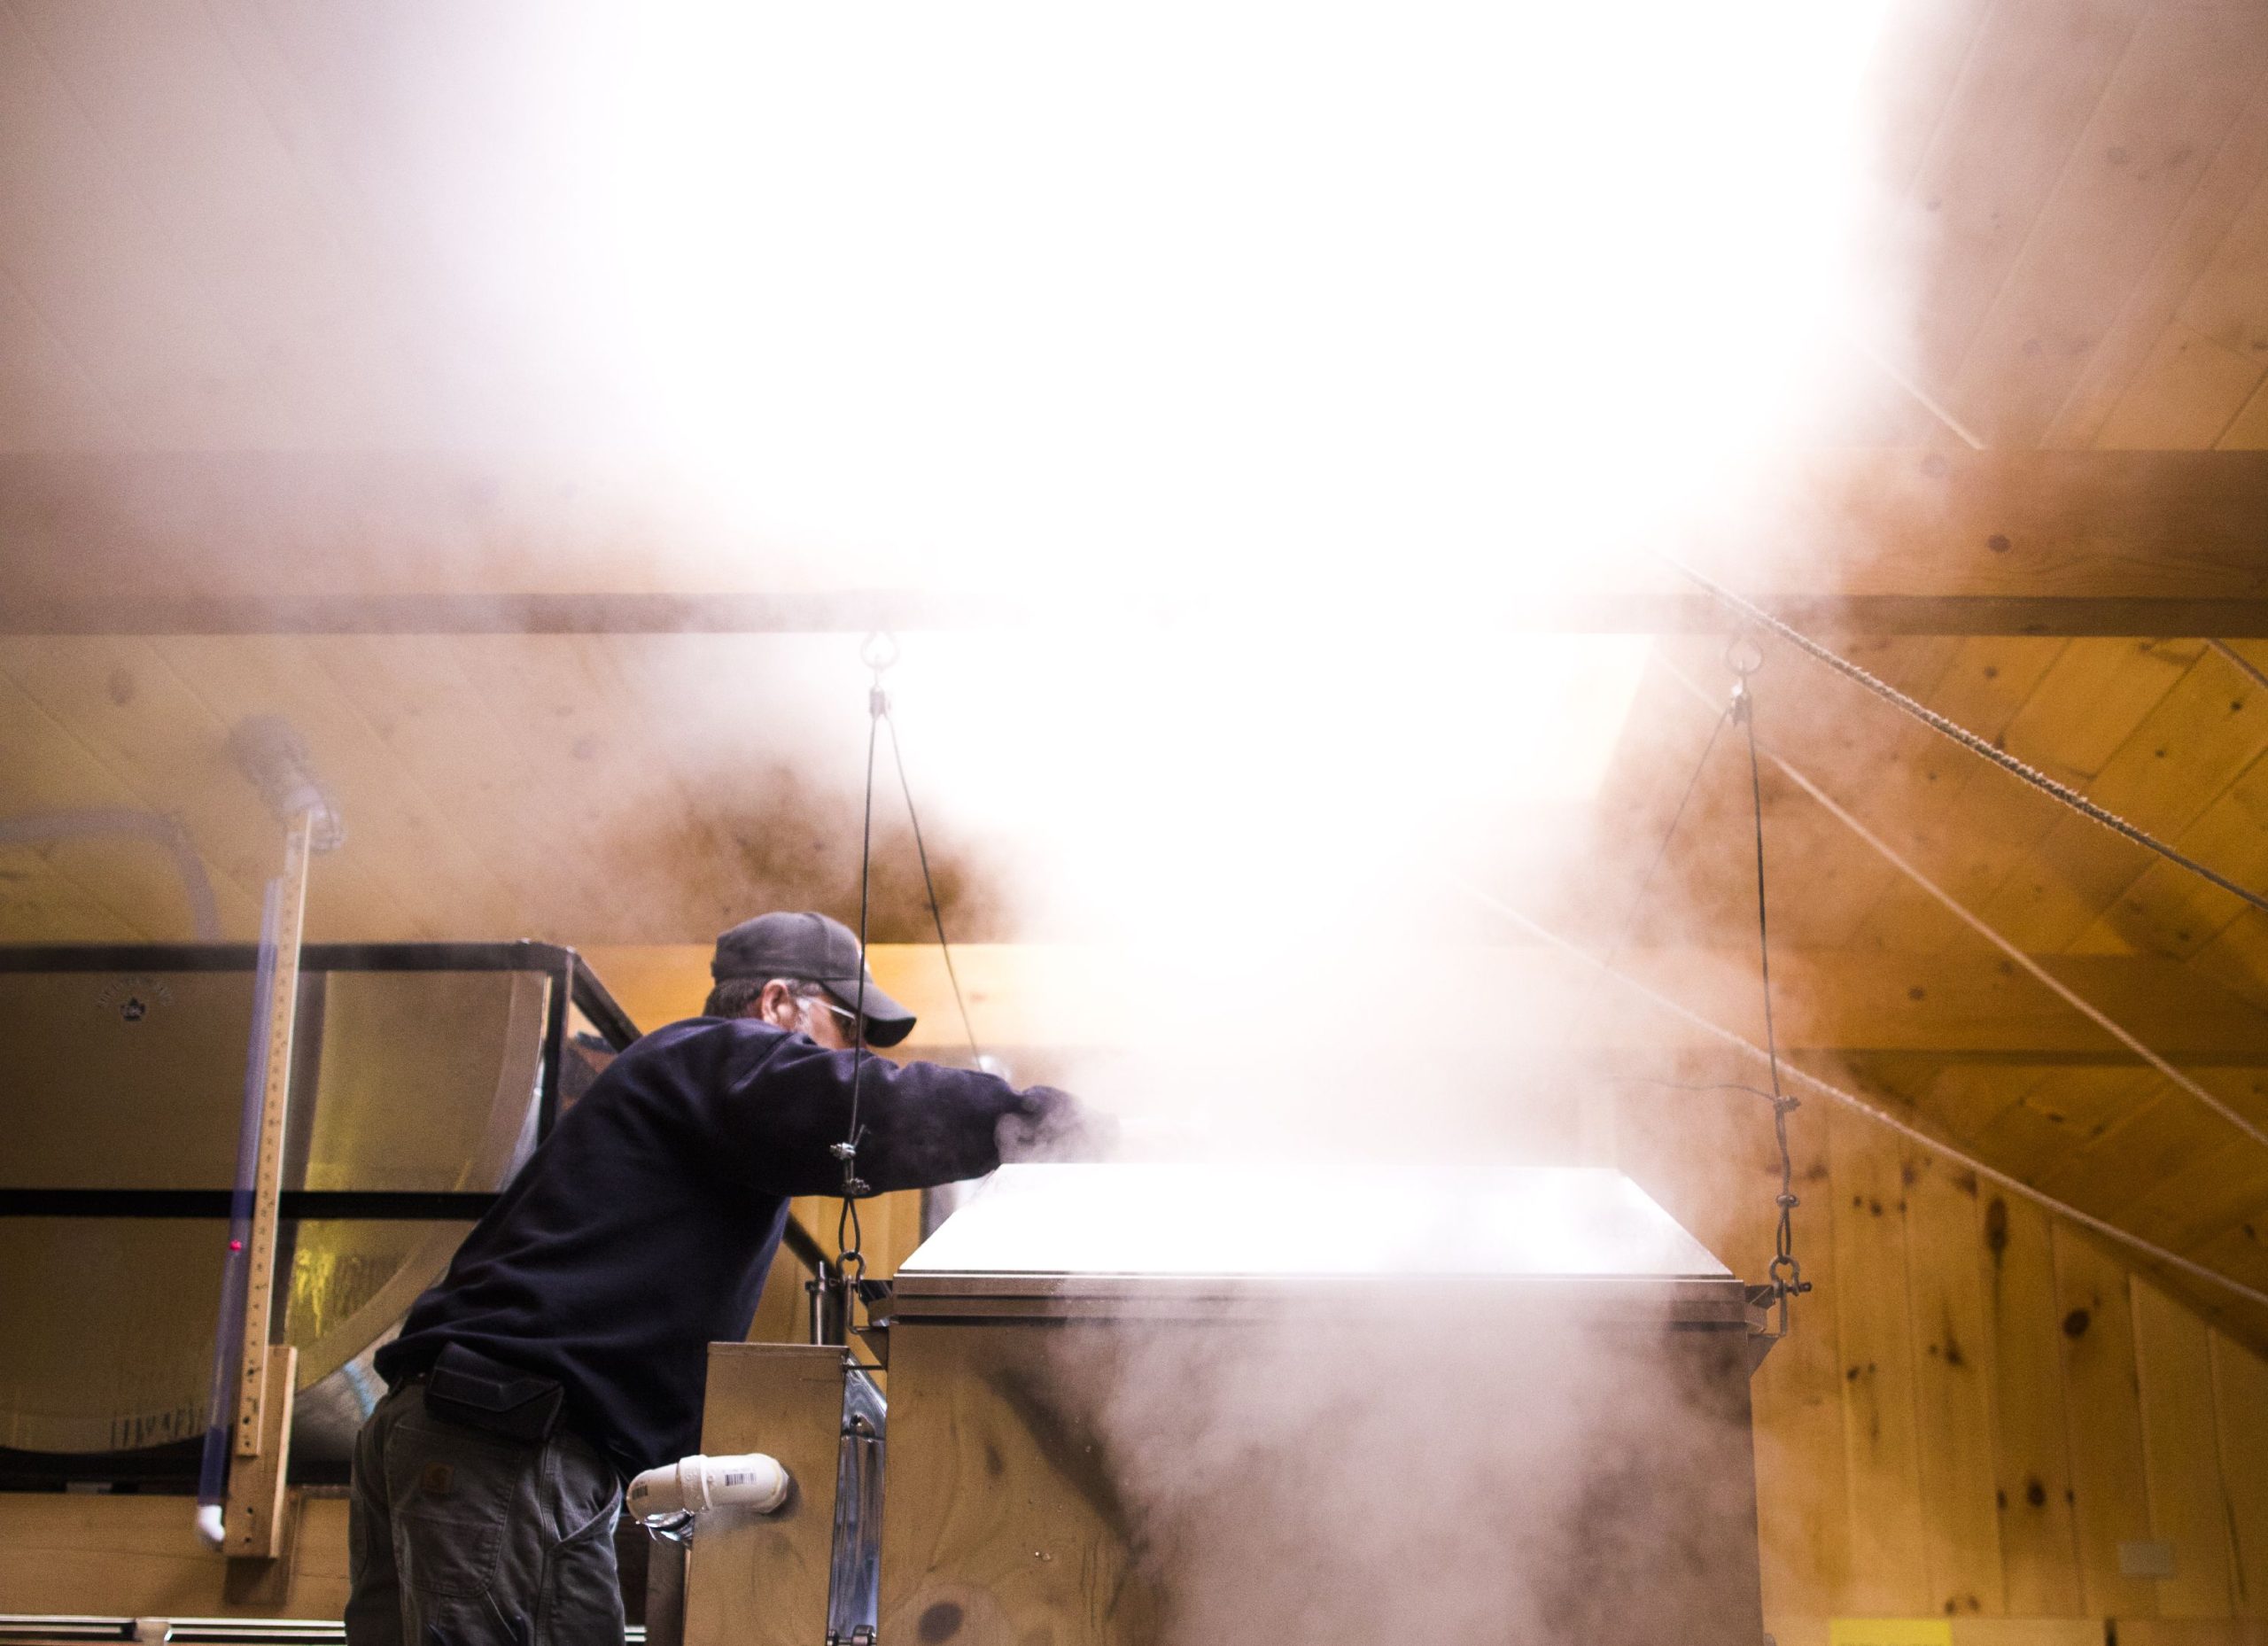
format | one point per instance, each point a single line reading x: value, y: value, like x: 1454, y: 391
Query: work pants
x: 459, y: 1537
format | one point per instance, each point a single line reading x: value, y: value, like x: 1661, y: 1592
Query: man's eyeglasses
x: 845, y: 1018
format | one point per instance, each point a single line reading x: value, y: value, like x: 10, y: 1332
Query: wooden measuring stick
x: 259, y: 1269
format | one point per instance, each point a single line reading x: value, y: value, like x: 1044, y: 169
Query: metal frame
x: 571, y: 979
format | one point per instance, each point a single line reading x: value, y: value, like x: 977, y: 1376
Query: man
x: 565, y: 1349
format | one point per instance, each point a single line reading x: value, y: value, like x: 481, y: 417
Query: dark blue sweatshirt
x: 641, y: 1229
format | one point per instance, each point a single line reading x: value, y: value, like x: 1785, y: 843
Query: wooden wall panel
x: 1805, y: 1519
x: 2031, y: 1435
x: 2181, y: 1456
x: 1952, y: 1388
x: 1873, y: 1325
x: 2110, y: 1490
x: 2241, y: 1415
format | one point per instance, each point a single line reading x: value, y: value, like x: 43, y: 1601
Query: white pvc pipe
x: 693, y: 1484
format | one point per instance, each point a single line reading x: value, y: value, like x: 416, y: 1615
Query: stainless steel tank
x: 422, y: 1075
x: 1145, y: 1403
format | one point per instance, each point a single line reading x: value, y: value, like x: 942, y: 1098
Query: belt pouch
x: 466, y: 1387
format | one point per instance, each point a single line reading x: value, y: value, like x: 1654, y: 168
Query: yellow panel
x: 1889, y: 1632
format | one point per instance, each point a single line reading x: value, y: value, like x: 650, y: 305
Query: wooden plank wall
x: 1980, y: 1405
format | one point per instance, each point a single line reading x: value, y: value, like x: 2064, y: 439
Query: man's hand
x: 1054, y: 1126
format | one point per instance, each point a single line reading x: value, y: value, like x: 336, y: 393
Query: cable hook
x: 879, y: 653
x: 1743, y: 656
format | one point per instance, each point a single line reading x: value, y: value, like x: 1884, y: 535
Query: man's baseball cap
x: 816, y: 950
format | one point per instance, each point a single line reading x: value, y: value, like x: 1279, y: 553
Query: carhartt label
x: 435, y: 1480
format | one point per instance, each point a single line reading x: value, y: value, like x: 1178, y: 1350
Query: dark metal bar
x: 554, y: 1043
x: 605, y: 1014
x: 328, y: 957
x: 386, y: 1204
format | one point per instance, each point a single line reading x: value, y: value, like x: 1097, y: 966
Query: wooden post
x: 255, y: 1507
x: 256, y: 1498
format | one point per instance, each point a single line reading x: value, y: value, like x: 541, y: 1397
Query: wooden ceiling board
x: 163, y: 94
x: 2059, y: 891
x: 2062, y: 1110
x: 1910, y: 81
x: 2026, y: 91
x: 2247, y: 431
x: 2088, y: 704
x: 1938, y: 828
x: 2197, y: 739
x: 38, y: 904
x: 418, y: 702
x: 2021, y: 1138
x: 2159, y: 1136
x: 47, y: 400
x: 2228, y: 302
x: 2240, y: 1252
x: 434, y: 884
x: 2167, y: 909
x: 580, y: 750
x: 2237, y: 958
x: 2187, y: 393
x: 2204, y: 1200
x: 43, y: 769
x: 2233, y: 178
x: 2186, y: 76
x: 1963, y: 1101
x: 128, y: 708
x: 2176, y: 776
x: 83, y: 246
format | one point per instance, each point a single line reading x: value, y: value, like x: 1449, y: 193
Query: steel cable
x: 1976, y: 923
x: 1874, y: 1111
x: 1968, y: 739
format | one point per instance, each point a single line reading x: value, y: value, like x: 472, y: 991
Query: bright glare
x: 1247, y: 295
x: 1346, y: 331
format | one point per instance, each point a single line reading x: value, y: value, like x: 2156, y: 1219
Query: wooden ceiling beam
x: 1521, y: 1001
x: 1880, y: 542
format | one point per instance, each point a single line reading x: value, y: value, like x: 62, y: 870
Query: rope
x: 1966, y: 738
x: 1874, y: 1111
x: 2064, y: 991
x: 929, y: 886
